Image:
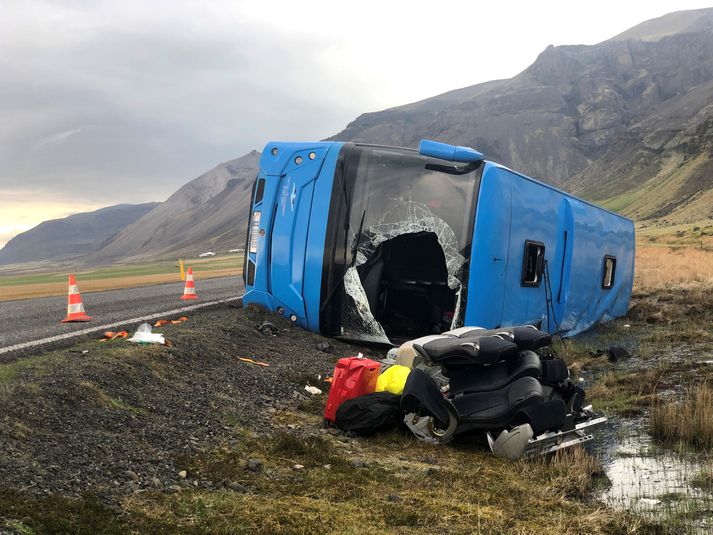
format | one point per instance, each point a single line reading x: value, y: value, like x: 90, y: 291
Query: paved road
x: 32, y: 319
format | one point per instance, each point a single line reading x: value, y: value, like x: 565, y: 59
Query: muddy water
x: 647, y: 477
x: 651, y: 480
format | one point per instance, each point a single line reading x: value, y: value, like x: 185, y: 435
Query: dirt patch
x: 115, y: 420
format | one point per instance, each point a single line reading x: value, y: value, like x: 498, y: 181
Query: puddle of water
x: 653, y: 481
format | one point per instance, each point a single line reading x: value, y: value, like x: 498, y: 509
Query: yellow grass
x: 27, y: 291
x: 688, y: 421
x: 657, y: 267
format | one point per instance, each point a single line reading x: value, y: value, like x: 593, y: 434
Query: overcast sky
x: 103, y: 102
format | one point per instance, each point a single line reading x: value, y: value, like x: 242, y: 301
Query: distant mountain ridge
x: 75, y: 235
x: 601, y: 121
x: 209, y: 212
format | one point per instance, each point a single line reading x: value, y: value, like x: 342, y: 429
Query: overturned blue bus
x: 379, y: 244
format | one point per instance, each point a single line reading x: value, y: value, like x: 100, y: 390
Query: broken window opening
x: 407, y: 277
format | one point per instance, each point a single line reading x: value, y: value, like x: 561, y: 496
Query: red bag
x: 353, y: 377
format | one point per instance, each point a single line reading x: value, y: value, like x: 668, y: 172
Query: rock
x: 172, y: 489
x: 298, y: 467
x: 237, y: 487
x: 132, y: 475
x: 394, y: 498
x: 358, y: 464
x: 254, y: 465
x: 182, y: 474
x: 334, y: 431
x: 327, y: 467
x: 155, y: 482
x: 324, y: 347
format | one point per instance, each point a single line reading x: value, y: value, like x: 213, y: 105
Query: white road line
x: 106, y: 326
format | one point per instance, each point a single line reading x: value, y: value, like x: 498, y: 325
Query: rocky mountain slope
x: 613, y: 122
x: 78, y: 234
x: 210, y: 212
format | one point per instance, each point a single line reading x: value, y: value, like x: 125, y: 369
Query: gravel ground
x: 114, y: 421
x: 30, y: 319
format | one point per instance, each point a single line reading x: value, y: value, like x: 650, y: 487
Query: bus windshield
x: 406, y: 243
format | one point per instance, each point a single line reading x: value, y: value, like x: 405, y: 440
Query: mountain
x: 625, y: 122
x: 76, y: 235
x: 209, y: 212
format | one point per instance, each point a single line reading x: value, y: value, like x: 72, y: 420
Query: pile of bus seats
x: 498, y: 382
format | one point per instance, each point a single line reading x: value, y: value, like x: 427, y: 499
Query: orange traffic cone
x: 189, y: 292
x: 75, y: 308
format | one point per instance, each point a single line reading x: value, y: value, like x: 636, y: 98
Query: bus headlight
x: 254, y: 231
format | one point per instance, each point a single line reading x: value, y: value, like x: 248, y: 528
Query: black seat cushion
x: 456, y: 353
x: 480, y: 378
x: 548, y: 416
x: 526, y: 337
x: 554, y: 371
x: 495, y: 408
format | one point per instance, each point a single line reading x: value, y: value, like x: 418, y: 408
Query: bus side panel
x: 597, y: 234
x: 489, y: 252
x: 534, y: 219
x: 316, y: 238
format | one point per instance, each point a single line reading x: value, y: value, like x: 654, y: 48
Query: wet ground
x: 655, y: 480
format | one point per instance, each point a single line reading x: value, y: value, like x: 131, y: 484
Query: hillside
x: 636, y: 105
x: 75, y: 235
x: 209, y: 212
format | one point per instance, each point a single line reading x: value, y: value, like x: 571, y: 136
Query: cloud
x: 105, y: 101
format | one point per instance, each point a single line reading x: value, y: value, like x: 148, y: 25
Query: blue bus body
x: 379, y: 244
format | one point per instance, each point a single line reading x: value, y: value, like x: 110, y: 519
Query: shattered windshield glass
x: 396, y: 193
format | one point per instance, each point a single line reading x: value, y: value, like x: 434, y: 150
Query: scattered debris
x: 182, y: 474
x: 111, y: 335
x: 251, y: 361
x: 313, y: 390
x: 324, y: 346
x: 177, y: 321
x: 144, y: 335
x: 80, y: 351
x: 617, y: 353
x: 237, y: 487
x: 298, y: 467
x: 268, y: 329
x: 254, y: 465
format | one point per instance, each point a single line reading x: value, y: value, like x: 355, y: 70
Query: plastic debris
x: 313, y: 390
x: 144, y: 335
x: 251, y: 361
x: 177, y: 321
x: 111, y: 335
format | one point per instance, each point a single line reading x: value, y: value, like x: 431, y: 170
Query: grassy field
x: 23, y: 286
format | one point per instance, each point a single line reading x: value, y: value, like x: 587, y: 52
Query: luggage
x: 353, y: 377
x: 367, y: 415
x: 393, y: 379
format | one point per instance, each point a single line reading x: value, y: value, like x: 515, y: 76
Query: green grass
x: 39, y: 364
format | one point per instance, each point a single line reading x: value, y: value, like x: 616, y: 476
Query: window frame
x: 539, y: 268
x: 604, y: 272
